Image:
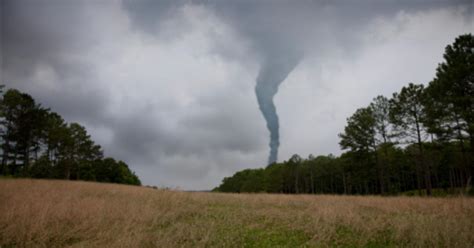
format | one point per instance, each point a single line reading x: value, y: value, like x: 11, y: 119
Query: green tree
x: 359, y: 133
x: 22, y: 121
x: 452, y: 96
x: 407, y: 113
x: 274, y: 178
x: 360, y: 136
x: 380, y: 107
x: 77, y: 148
x: 38, y: 143
x: 294, y: 164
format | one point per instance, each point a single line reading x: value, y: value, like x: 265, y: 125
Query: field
x: 44, y: 213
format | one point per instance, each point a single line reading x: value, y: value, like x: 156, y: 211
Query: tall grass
x: 44, y: 213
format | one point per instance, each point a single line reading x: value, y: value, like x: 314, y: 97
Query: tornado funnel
x: 272, y: 73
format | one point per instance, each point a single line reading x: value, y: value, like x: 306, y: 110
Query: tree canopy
x: 38, y: 143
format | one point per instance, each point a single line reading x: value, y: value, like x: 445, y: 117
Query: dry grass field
x: 42, y: 213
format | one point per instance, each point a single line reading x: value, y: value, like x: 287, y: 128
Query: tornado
x: 272, y: 73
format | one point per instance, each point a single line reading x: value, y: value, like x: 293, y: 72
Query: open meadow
x: 48, y: 213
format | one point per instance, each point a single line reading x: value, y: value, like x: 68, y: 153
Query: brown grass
x: 44, y: 213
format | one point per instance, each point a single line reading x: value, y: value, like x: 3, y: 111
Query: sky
x: 169, y: 86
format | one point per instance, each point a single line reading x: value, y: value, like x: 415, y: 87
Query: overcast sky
x: 169, y: 86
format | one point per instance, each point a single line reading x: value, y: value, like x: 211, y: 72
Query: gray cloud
x: 168, y: 86
x: 41, y: 40
x: 282, y: 33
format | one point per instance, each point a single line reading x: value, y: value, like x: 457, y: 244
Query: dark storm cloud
x: 229, y: 131
x: 284, y: 32
x: 150, y: 13
x: 41, y: 36
x: 283, y: 26
x: 81, y: 59
x: 212, y: 129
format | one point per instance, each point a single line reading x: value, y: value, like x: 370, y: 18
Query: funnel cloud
x: 271, y: 75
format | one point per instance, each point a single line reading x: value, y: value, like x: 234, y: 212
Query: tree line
x: 38, y: 143
x: 418, y: 140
